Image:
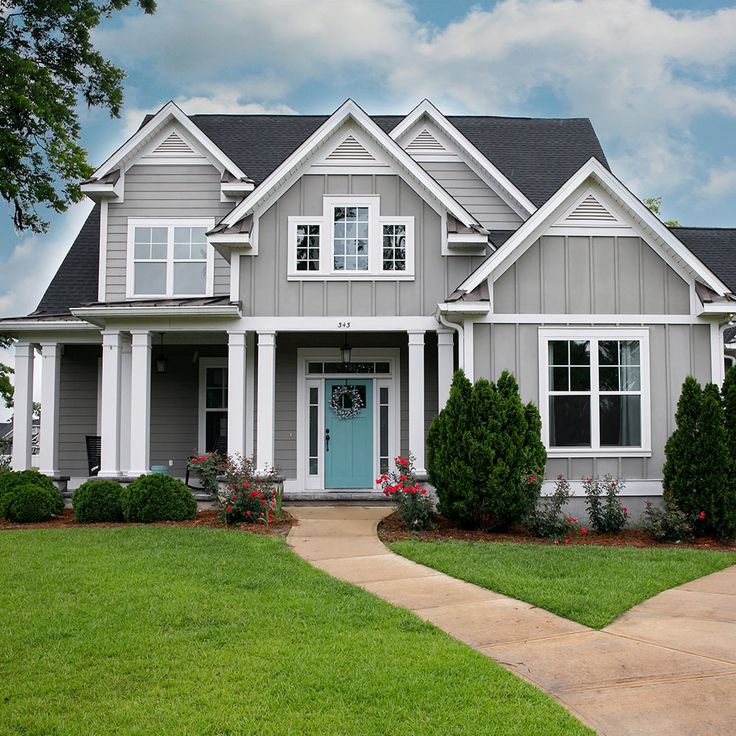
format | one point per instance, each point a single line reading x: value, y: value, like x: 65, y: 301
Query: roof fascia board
x: 91, y: 313
x: 537, y: 223
x: 349, y: 109
x: 510, y: 190
x: 168, y: 112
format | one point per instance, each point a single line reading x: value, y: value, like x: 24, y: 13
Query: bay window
x: 351, y: 240
x: 594, y: 392
x: 169, y: 258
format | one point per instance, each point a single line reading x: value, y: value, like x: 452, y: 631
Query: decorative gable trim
x: 173, y: 145
x: 652, y: 230
x: 169, y: 113
x: 350, y: 111
x: 350, y: 150
x: 589, y: 210
x: 503, y: 186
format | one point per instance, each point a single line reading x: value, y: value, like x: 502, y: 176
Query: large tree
x: 47, y: 65
x: 6, y: 387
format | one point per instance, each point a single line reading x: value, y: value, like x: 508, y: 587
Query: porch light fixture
x: 162, y: 365
x: 347, y: 352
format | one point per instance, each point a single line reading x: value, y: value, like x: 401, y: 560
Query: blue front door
x: 349, y: 440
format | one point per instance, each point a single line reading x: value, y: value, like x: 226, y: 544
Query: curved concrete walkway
x: 667, y: 667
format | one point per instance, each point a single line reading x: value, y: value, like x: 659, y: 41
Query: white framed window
x: 213, y: 401
x: 351, y: 240
x: 594, y: 393
x: 169, y: 258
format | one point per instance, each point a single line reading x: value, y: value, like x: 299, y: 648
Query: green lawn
x: 155, y: 630
x: 588, y: 584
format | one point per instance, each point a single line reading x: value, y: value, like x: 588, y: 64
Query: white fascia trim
x: 527, y: 318
x: 425, y: 107
x: 536, y: 225
x: 350, y: 109
x: 99, y: 191
x: 717, y: 308
x: 168, y: 112
x: 230, y: 239
x: 632, y: 488
x: 465, y: 307
x: 102, y: 261
x: 344, y: 324
x: 220, y: 310
x: 236, y: 187
x: 459, y: 239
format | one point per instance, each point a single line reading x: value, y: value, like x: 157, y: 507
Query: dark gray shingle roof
x: 75, y: 282
x: 715, y: 247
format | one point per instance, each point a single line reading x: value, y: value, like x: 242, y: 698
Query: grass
x: 155, y: 630
x: 588, y: 584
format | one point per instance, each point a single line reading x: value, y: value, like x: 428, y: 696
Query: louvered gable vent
x: 425, y: 141
x: 590, y: 209
x: 350, y: 150
x: 173, y: 145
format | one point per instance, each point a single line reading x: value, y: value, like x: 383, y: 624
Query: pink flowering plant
x: 607, y: 513
x: 207, y: 467
x: 246, y: 497
x: 413, y: 503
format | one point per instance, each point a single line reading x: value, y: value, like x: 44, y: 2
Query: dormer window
x: 351, y: 240
x: 169, y: 258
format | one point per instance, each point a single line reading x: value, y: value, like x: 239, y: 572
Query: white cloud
x: 722, y: 180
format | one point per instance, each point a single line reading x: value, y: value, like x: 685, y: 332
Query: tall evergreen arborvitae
x: 729, y: 408
x: 481, y: 450
x: 682, y: 466
x: 718, y: 499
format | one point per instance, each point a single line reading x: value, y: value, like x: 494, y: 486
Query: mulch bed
x: 206, y: 519
x: 392, y: 529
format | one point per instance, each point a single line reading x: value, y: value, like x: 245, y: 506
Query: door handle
x: 327, y: 440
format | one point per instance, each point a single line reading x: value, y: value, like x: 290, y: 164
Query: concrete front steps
x: 665, y: 668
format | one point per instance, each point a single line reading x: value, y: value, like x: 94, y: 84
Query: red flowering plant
x: 606, y: 512
x: 207, y: 467
x: 413, y: 503
x: 244, y: 496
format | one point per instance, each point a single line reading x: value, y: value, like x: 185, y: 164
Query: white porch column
x: 416, y: 398
x: 23, y: 406
x: 110, y: 404
x: 445, y: 362
x: 468, y: 359
x: 236, y: 404
x: 49, y: 431
x: 140, y: 403
x: 266, y: 400
x: 126, y: 389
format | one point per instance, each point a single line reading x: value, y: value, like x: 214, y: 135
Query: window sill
x: 351, y: 276
x: 566, y: 452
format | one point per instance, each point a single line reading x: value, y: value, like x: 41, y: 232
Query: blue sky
x: 658, y: 80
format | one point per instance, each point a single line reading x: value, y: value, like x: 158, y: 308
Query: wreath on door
x: 340, y: 405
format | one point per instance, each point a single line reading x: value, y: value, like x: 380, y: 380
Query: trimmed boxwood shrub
x: 28, y: 502
x: 157, y: 498
x: 18, y: 478
x: 98, y: 500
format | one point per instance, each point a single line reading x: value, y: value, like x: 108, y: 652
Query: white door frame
x: 391, y: 380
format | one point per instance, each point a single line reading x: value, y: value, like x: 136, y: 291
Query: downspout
x: 460, y: 336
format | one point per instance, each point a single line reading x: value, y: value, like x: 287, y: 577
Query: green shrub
x: 98, y: 500
x: 157, y: 498
x: 668, y: 524
x: 606, y: 512
x: 413, y: 503
x: 548, y: 519
x: 484, y: 448
x: 28, y: 502
x: 15, y: 479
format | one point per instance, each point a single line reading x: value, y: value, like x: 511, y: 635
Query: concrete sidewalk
x: 665, y: 668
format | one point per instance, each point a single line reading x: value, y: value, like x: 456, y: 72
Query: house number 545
x: 343, y: 325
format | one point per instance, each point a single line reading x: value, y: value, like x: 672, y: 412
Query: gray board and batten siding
x: 266, y: 290
x: 596, y: 275
x: 590, y: 275
x: 163, y: 192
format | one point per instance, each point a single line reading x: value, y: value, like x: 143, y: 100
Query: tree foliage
x: 6, y: 387
x: 483, y: 448
x: 47, y: 64
x: 654, y: 204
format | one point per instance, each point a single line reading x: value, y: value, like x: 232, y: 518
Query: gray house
x: 302, y: 288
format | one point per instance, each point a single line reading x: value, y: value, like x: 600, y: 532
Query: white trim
x: 102, y: 265
x: 170, y: 111
x: 110, y: 404
x: 445, y: 365
x: 236, y: 403
x: 376, y: 222
x: 538, y: 223
x: 716, y: 308
x: 416, y: 399
x: 633, y: 488
x: 339, y: 324
x: 70, y: 325
x: 594, y: 335
x: 590, y: 319
x: 391, y: 380
x: 204, y: 364
x: 242, y: 239
x: 23, y: 406
x: 468, y: 349
x: 717, y: 361
x: 265, y: 442
x: 140, y: 402
x: 235, y: 276
x: 49, y: 430
x: 169, y: 223
x: 202, y: 311
x: 510, y: 193
x: 349, y: 110
x: 126, y: 400
x: 250, y: 391
x: 462, y: 307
